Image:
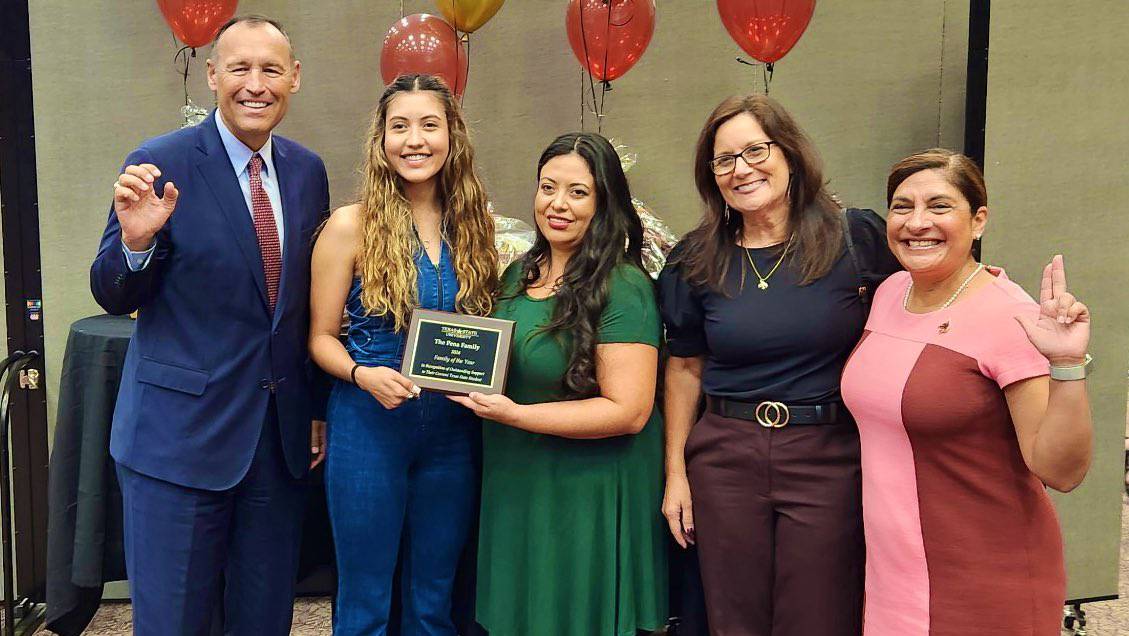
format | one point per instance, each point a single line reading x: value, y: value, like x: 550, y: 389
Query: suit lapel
x: 291, y: 222
x: 215, y: 167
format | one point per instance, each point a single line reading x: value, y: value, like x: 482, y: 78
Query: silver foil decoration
x: 192, y: 114
x: 512, y: 238
x: 658, y: 238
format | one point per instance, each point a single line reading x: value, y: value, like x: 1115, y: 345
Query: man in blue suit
x: 209, y: 240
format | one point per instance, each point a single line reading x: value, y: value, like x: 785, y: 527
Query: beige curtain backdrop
x: 1055, y: 159
x: 871, y: 81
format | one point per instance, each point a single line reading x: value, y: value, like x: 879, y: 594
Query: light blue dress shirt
x: 240, y: 156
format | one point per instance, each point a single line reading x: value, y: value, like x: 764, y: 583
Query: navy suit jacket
x: 207, y: 354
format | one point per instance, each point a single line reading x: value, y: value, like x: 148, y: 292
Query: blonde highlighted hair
x: 389, y: 243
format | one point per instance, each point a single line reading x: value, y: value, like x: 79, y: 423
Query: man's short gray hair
x: 253, y: 19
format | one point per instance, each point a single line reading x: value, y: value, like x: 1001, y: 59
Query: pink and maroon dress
x: 960, y: 535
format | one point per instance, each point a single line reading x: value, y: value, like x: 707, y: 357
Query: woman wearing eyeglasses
x: 763, y: 303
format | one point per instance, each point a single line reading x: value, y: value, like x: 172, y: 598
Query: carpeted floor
x: 312, y: 616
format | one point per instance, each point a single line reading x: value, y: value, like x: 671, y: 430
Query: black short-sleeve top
x: 788, y: 342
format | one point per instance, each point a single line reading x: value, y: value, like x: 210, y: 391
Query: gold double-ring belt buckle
x: 772, y: 414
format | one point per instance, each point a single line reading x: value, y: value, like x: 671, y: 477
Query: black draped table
x: 84, y: 528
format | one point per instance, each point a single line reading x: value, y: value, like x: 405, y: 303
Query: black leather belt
x: 777, y: 414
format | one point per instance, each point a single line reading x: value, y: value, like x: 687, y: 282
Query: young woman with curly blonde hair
x: 401, y: 465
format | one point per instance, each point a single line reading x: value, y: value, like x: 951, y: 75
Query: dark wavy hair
x: 614, y: 236
x: 813, y: 214
x: 960, y: 170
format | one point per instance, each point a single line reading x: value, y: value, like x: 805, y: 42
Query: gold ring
x: 772, y: 414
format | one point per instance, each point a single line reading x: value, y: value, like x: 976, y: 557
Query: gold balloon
x: 468, y: 15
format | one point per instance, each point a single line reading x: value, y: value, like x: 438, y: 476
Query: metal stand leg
x: 1074, y: 619
x: 20, y: 616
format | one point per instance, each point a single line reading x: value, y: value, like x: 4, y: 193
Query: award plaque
x: 456, y: 353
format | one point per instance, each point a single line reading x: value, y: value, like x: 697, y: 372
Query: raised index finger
x: 1058, y: 276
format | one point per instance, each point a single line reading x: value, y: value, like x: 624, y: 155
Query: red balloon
x: 766, y: 29
x: 195, y: 22
x: 609, y: 36
x: 424, y: 43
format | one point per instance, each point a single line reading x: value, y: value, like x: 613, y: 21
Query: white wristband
x: 1076, y: 372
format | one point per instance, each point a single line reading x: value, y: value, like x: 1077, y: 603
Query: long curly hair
x: 389, y: 243
x: 614, y: 236
x: 813, y: 214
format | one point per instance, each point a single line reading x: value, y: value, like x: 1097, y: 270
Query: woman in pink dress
x: 969, y: 401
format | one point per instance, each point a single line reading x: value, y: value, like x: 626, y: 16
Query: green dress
x: 571, y: 541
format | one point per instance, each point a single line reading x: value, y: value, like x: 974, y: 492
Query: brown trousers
x: 778, y: 518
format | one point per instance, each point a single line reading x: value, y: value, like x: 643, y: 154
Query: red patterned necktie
x: 265, y: 229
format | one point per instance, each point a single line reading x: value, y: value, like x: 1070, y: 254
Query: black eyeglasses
x: 754, y: 154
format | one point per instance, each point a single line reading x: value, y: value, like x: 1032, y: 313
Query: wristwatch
x: 1076, y: 372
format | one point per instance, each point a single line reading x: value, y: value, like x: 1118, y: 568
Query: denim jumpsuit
x: 406, y: 475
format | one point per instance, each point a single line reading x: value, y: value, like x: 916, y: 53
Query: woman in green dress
x: 571, y: 539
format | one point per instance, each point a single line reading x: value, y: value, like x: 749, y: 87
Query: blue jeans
x: 407, y: 475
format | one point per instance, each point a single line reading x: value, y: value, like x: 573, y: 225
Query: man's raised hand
x: 141, y: 213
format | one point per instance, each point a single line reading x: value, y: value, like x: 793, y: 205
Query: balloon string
x: 184, y: 51
x: 766, y: 73
x: 458, y: 46
x: 605, y: 86
x: 401, y: 9
x: 582, y: 99
x: 466, y: 82
x: 584, y: 45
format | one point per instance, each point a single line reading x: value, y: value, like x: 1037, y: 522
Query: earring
x: 727, y: 214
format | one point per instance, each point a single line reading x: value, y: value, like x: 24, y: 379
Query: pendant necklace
x: 428, y: 242
x: 762, y: 281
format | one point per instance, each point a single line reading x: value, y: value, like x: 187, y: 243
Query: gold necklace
x: 546, y: 281
x: 762, y: 281
x: 428, y: 242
